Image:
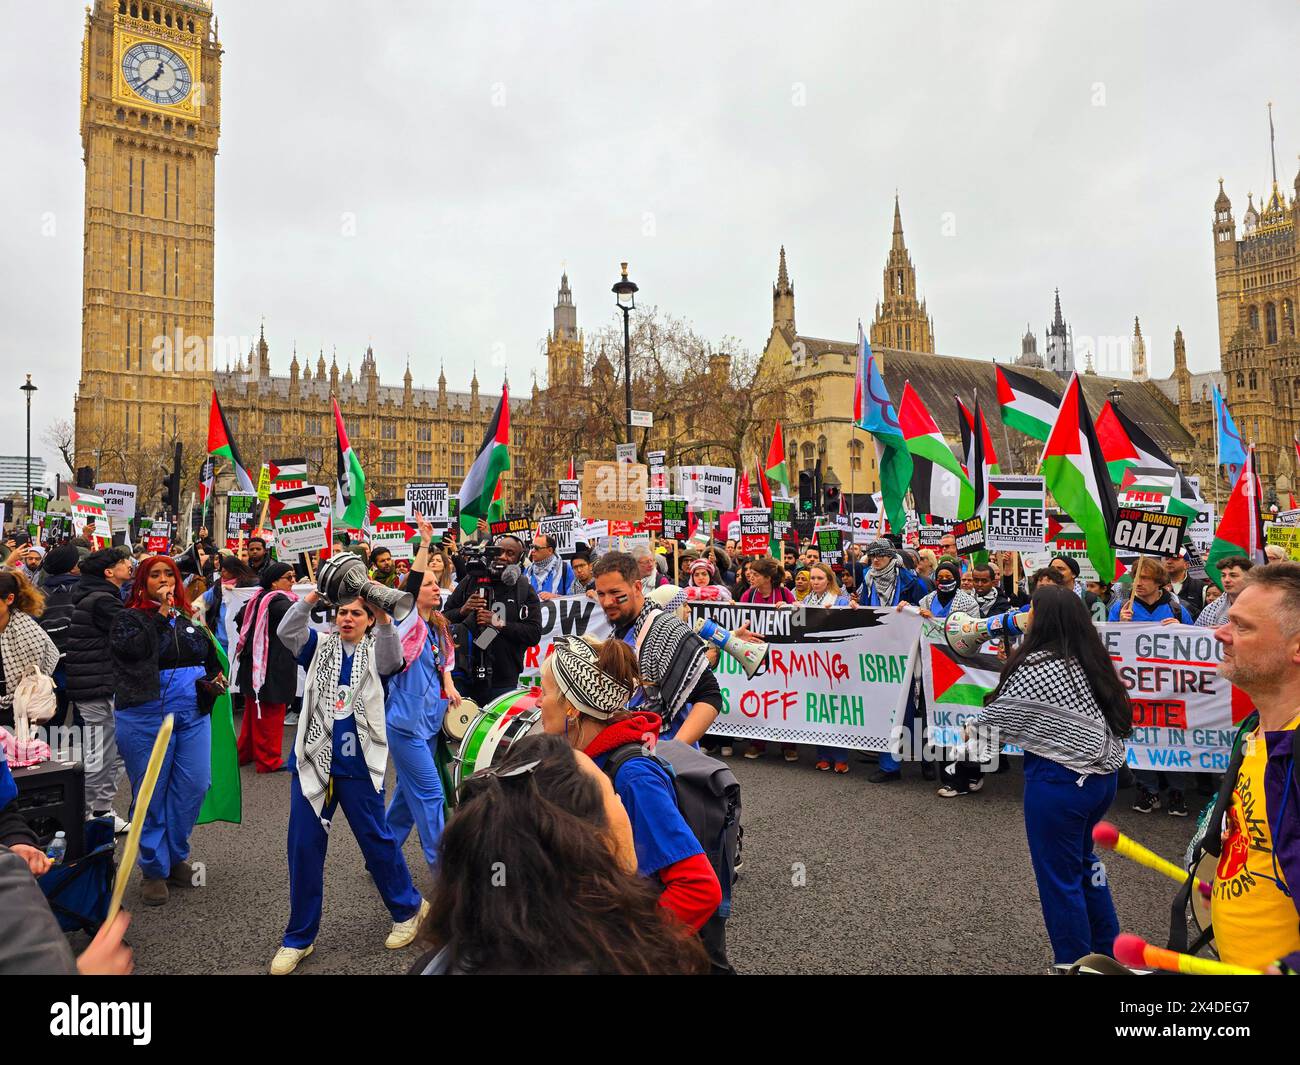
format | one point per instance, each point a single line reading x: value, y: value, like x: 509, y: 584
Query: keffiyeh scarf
x: 546, y: 576
x: 24, y: 645
x: 314, y: 747
x: 257, y: 619
x: 883, y: 581
x: 671, y: 658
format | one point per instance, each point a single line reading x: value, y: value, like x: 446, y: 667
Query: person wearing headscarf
x: 802, y: 583
x: 340, y: 755
x: 887, y: 583
x: 702, y: 583
x: 587, y: 687
x: 948, y: 596
x: 267, y: 670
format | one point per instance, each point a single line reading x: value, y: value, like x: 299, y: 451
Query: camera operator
x: 501, y: 615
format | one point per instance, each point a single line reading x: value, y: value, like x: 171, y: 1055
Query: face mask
x: 946, y: 586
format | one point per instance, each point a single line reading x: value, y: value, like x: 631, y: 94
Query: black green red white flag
x: 350, y: 479
x: 221, y: 444
x: 1027, y: 404
x: 481, y: 487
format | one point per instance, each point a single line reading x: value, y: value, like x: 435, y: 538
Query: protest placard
x: 614, y: 491
x: 430, y: 500
x: 708, y: 487
x: 568, y: 496
x: 830, y: 544
x: 755, y: 531
x: 969, y: 535
x: 561, y: 529
x: 1148, y: 532
x: 1286, y: 537
x: 389, y: 528
x: 675, y: 518
x: 1015, y: 520
x: 119, y: 500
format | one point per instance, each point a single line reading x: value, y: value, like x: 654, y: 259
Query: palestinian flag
x: 1130, y: 452
x: 389, y: 516
x: 350, y: 480
x: 765, y: 489
x: 1074, y: 471
x: 966, y: 422
x: 960, y: 681
x: 776, y: 470
x: 1241, y: 529
x: 222, y: 444
x: 288, y: 473
x: 224, y: 799
x: 480, y: 493
x: 1027, y: 404
x: 938, y: 485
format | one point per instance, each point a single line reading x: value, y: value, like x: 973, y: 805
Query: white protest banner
x: 833, y: 677
x: 119, y: 500
x: 1184, y: 714
x: 89, y: 516
x: 560, y: 528
x: 588, y: 532
x: 708, y: 487
x: 1016, y: 520
x: 570, y: 615
x: 429, y: 500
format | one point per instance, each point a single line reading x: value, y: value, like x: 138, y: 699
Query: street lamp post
x: 1114, y: 395
x: 29, y: 388
x: 625, y: 293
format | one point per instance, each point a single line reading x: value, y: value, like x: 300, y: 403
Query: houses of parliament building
x: 150, y: 125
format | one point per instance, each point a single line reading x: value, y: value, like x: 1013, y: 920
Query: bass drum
x: 491, y: 735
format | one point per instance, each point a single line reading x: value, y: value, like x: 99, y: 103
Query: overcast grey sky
x: 479, y: 146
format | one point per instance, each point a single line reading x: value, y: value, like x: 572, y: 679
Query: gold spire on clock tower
x: 901, y: 320
x: 150, y: 120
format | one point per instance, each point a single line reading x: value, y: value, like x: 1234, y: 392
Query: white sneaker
x: 119, y: 826
x: 287, y: 958
x: 291, y: 720
x: 404, y: 931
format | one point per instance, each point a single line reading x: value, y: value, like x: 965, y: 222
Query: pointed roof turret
x: 1221, y: 201
x: 782, y: 275
x: 898, y: 225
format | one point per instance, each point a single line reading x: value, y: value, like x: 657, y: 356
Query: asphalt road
x: 841, y: 876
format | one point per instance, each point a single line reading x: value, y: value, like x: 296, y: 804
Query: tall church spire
x: 1060, y: 343
x: 1138, y: 349
x: 902, y: 320
x: 782, y: 297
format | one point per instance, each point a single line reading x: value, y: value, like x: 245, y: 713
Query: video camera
x: 482, y: 563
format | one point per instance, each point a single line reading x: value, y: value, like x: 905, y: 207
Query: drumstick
x: 1137, y: 953
x: 132, y: 846
x: 1105, y: 834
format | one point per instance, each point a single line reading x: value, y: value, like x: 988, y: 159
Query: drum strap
x: 1210, y: 843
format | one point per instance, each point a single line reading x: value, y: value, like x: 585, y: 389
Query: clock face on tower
x: 156, y: 73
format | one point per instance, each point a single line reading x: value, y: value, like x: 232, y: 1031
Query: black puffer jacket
x: 143, y: 642
x: 86, y: 661
x: 281, y: 683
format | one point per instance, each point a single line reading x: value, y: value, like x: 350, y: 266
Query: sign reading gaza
x: 969, y: 535
x: 1149, y: 531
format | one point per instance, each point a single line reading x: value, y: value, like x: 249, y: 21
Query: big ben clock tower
x: 150, y: 119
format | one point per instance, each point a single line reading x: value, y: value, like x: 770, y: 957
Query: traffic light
x: 807, y: 492
x: 171, y: 486
x: 831, y: 503
x: 85, y: 476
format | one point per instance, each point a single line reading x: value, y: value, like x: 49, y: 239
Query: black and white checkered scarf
x: 672, y: 660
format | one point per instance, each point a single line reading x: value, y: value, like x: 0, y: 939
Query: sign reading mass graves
x: 614, y: 491
x: 1149, y: 532
x: 1016, y: 519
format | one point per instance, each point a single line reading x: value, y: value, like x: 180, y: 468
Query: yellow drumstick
x: 1104, y: 834
x: 1137, y: 953
x: 132, y: 846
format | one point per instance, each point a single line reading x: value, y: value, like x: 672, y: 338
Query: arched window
x: 793, y: 457
x: 855, y: 455
x: 898, y: 283
x: 809, y: 457
x: 1252, y: 315
x: 821, y: 445
x: 808, y: 403
x: 1253, y: 383
x: 1241, y: 379
x: 1288, y: 316
x: 1270, y: 323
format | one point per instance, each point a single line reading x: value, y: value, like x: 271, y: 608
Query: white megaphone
x: 751, y: 654
x: 966, y: 634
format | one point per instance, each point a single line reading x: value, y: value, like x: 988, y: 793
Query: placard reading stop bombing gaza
x: 1149, y: 532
